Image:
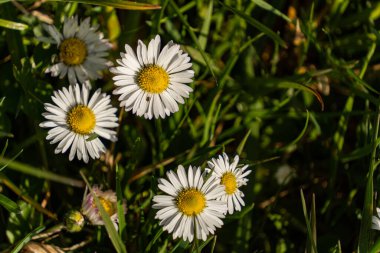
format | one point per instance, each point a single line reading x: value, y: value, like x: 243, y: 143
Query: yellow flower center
x: 229, y: 181
x: 81, y: 120
x: 72, y: 51
x: 153, y: 79
x: 107, y: 205
x: 191, y: 202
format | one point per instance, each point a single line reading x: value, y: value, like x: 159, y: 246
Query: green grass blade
x: 155, y: 238
x: 27, y: 238
x: 193, y: 37
x: 4, y: 180
x: 261, y: 27
x: 313, y: 221
x: 10, y: 160
x: 204, y: 244
x: 366, y: 224
x: 120, y: 208
x: 376, y: 247
x: 206, y: 27
x: 12, y: 25
x: 126, y: 5
x: 264, y: 5
x: 232, y: 60
x: 30, y: 170
x: 365, y: 233
x: 111, y: 230
x: 357, y: 154
x: 308, y: 224
x: 210, y: 118
x: 242, y: 143
x: 4, y: 149
x: 301, y: 134
x: 8, y: 204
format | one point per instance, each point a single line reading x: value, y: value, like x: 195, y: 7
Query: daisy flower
x: 152, y: 82
x: 76, y: 121
x: 189, y: 204
x: 232, y: 177
x: 107, y: 199
x: 81, y: 51
x: 376, y: 220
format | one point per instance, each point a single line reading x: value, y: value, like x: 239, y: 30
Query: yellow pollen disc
x: 81, y: 120
x: 191, y: 202
x: 229, y: 181
x: 77, y: 217
x: 107, y: 205
x: 153, y: 79
x: 72, y: 51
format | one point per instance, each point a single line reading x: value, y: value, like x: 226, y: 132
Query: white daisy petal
x: 187, y: 207
x: 73, y: 121
x: 81, y: 51
x: 231, y: 176
x: 151, y: 82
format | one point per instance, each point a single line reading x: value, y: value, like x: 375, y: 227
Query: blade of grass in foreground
x: 12, y: 25
x: 308, y: 225
x: 365, y: 239
x: 111, y: 230
x: 313, y: 221
x: 27, y: 238
x: 365, y: 226
x: 30, y: 170
x: 120, y: 208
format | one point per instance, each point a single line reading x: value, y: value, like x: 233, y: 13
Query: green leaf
x: 27, y: 238
x: 8, y: 204
x: 111, y: 230
x: 270, y: 8
x: 92, y: 137
x: 257, y: 24
x: 12, y: 25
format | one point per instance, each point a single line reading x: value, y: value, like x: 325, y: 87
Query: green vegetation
x: 290, y: 86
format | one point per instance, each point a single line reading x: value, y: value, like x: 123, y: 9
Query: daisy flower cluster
x: 151, y: 82
x: 194, y: 203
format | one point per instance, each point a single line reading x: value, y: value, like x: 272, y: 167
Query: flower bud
x: 74, y: 221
